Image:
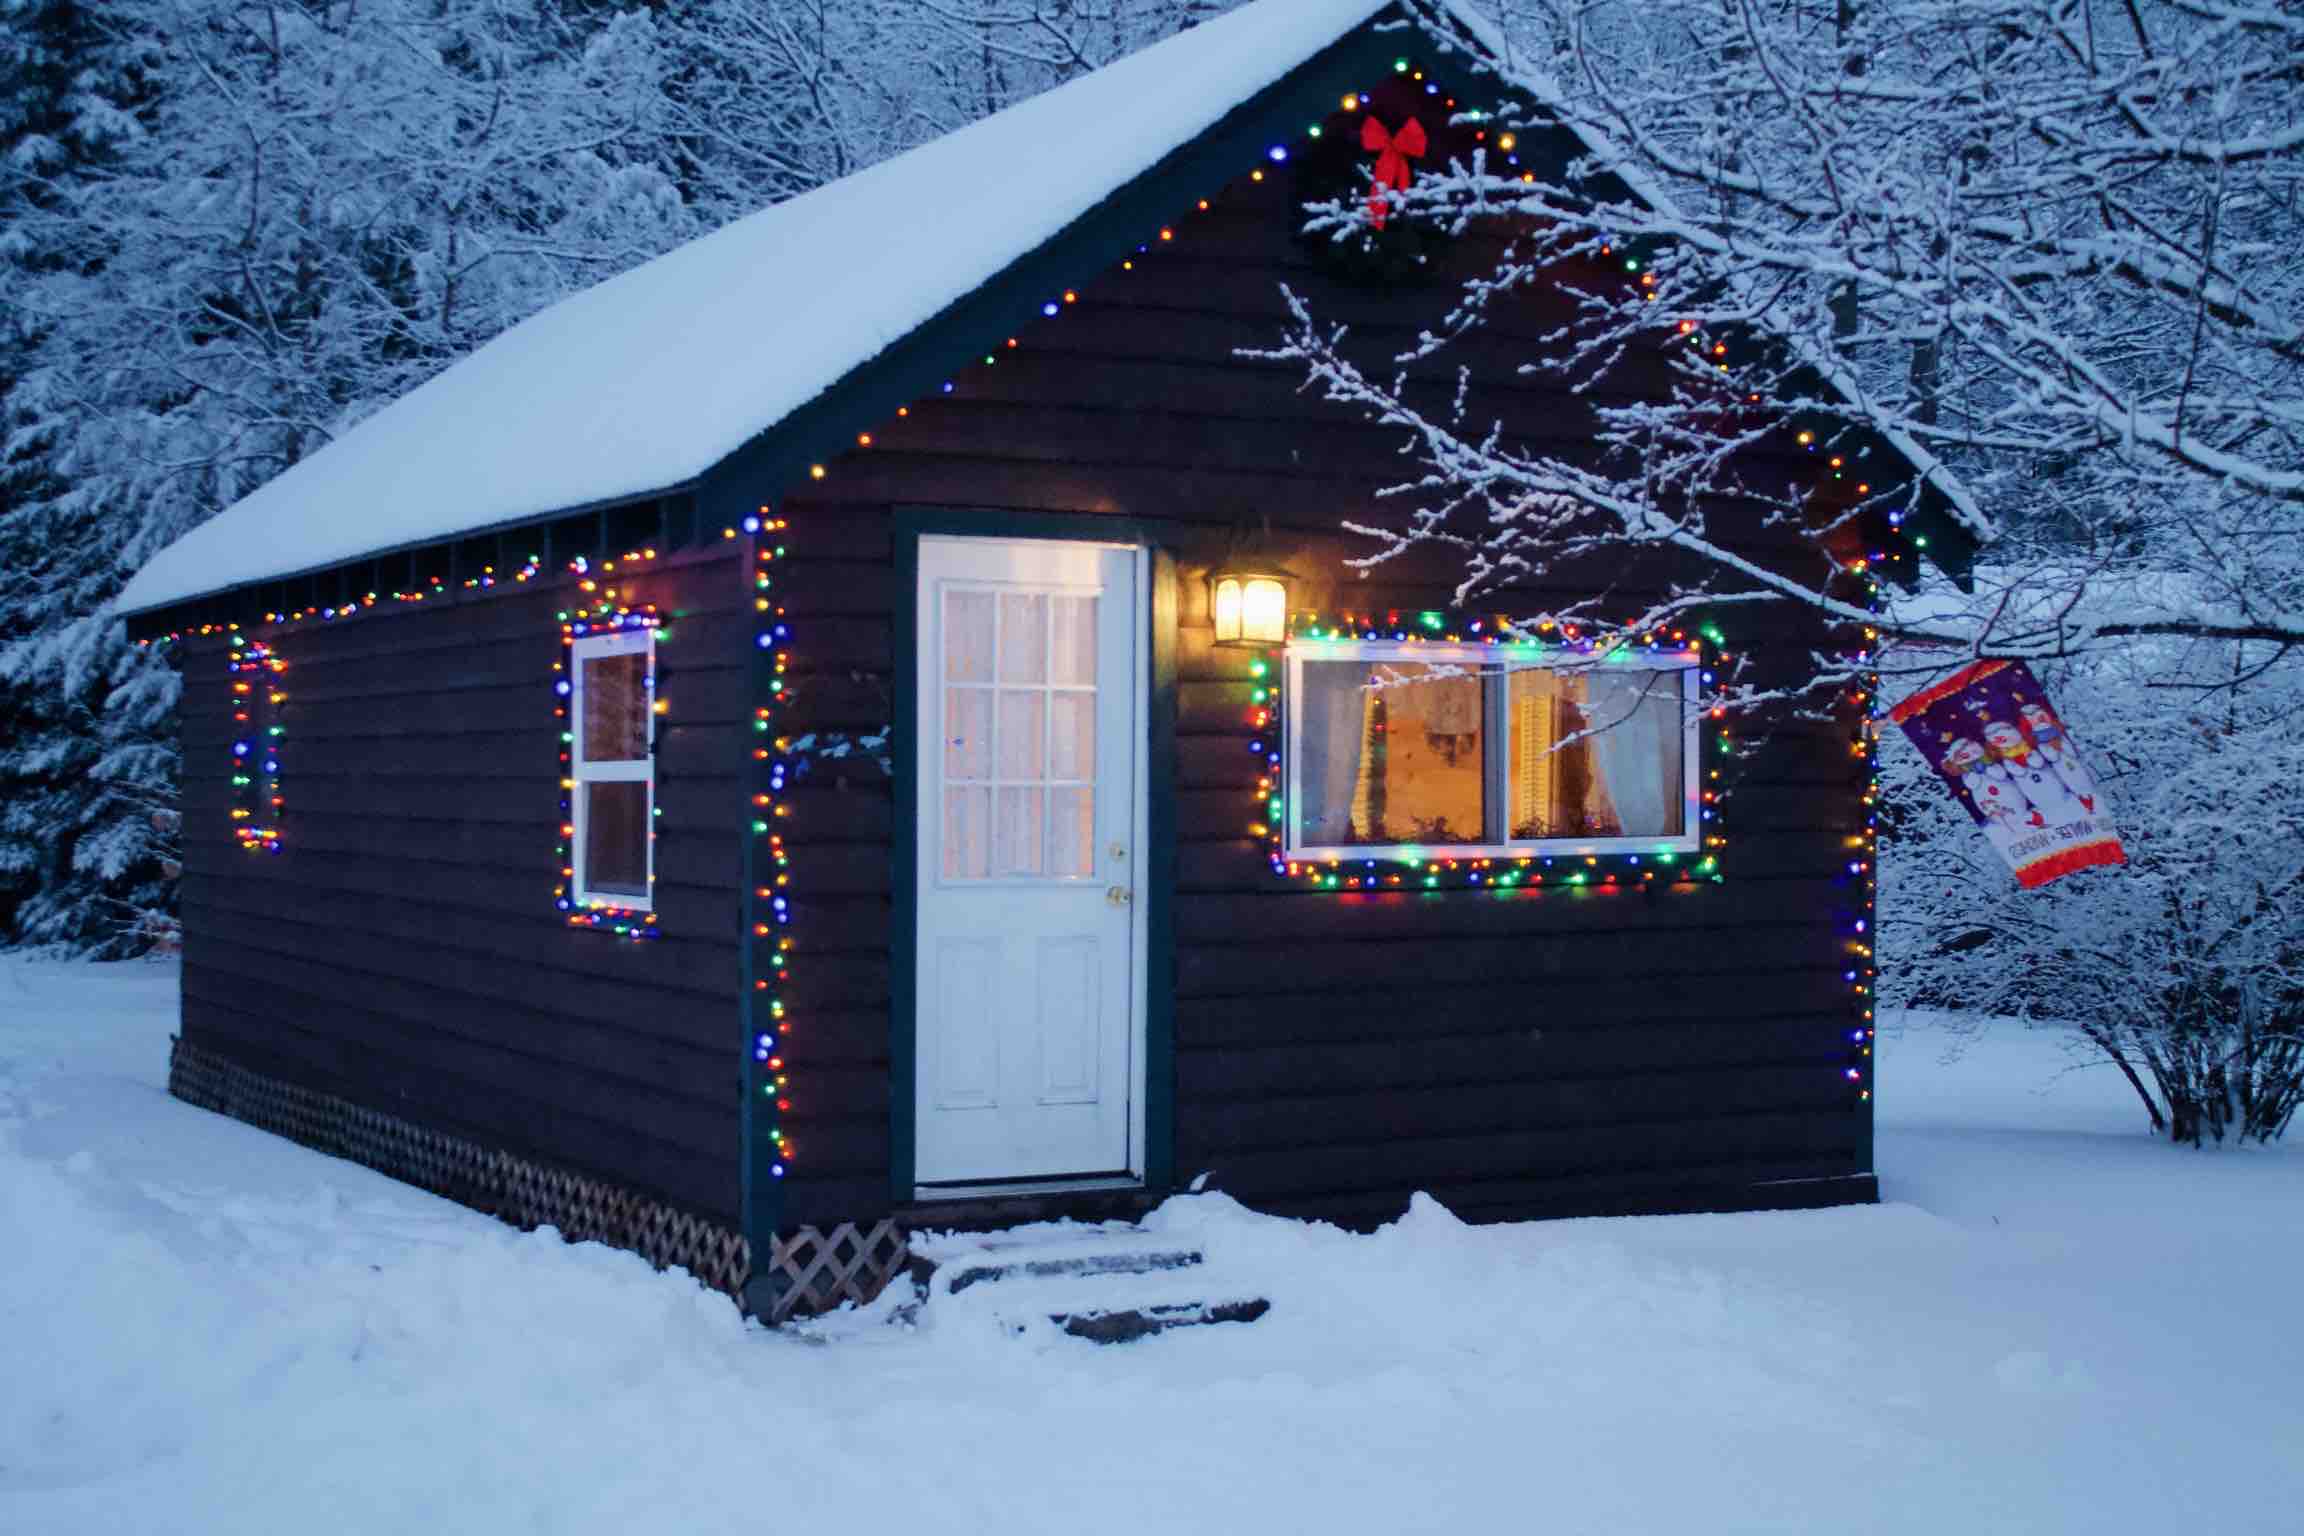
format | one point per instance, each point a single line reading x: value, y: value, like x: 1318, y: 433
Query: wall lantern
x: 1251, y: 607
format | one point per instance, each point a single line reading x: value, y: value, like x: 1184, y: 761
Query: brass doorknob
x: 1119, y: 895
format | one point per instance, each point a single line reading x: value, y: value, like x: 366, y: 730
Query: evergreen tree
x: 69, y: 94
x: 310, y: 210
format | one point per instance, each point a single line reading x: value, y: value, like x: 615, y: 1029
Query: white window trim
x: 1496, y: 659
x: 581, y: 771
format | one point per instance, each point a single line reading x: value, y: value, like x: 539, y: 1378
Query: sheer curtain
x: 1332, y: 701
x: 1636, y: 718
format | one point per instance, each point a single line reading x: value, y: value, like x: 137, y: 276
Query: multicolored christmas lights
x: 257, y: 696
x: 601, y: 613
x: 435, y: 588
x: 768, y: 906
x: 1863, y: 869
x: 1416, y: 871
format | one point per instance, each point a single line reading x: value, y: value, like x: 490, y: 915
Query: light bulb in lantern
x: 1250, y: 609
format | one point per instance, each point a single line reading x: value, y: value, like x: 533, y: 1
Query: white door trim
x: 926, y: 673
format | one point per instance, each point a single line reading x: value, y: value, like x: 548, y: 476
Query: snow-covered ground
x: 2055, y: 1325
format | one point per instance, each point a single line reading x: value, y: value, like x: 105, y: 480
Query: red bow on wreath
x: 1393, y: 152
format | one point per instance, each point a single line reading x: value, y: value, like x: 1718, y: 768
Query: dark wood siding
x: 1546, y: 1051
x: 402, y: 950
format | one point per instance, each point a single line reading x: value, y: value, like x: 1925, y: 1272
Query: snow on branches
x: 2041, y: 247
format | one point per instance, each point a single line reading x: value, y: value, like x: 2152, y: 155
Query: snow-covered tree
x: 68, y: 94
x: 2043, y: 250
x: 233, y: 229
x: 2046, y: 244
x: 308, y: 210
x: 777, y: 99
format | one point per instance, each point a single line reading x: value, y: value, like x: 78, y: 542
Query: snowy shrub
x: 2185, y: 968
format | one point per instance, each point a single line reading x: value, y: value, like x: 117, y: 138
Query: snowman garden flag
x: 1989, y: 730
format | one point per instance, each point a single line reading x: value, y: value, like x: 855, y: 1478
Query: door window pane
x: 1392, y: 753
x: 967, y: 834
x: 1023, y: 733
x: 1072, y: 736
x: 1016, y: 833
x: 1023, y: 637
x: 967, y: 636
x: 1072, y: 831
x: 616, y: 707
x: 616, y: 837
x: 1072, y: 643
x: 967, y: 733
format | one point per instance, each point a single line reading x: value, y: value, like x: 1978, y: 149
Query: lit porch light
x: 1251, y: 607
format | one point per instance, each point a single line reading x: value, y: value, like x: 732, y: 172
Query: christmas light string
x: 437, y: 588
x: 257, y: 802
x: 1613, y: 871
x: 1863, y: 971
x: 599, y: 613
x: 768, y: 915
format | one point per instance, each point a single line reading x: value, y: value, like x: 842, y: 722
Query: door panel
x: 1029, y: 1004
x: 1070, y: 1018
x: 966, y: 1074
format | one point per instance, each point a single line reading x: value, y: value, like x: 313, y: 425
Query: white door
x: 1031, y: 811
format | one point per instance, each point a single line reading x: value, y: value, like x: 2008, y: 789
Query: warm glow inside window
x: 613, y: 765
x: 1402, y: 750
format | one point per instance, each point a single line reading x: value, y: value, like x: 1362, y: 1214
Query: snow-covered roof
x: 647, y: 380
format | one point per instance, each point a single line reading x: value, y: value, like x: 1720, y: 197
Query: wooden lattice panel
x: 815, y: 1270
x: 818, y: 1270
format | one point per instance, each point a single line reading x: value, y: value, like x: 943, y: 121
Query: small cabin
x: 869, y: 722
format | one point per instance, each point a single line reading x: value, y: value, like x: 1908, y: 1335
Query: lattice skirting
x: 810, y: 1271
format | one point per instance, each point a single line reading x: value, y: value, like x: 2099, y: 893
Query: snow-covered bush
x: 2184, y: 968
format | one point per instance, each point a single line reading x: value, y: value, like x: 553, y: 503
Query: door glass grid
x: 1019, y: 733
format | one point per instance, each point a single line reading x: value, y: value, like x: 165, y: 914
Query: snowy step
x: 957, y: 1269
x: 1119, y: 1327
x: 1108, y: 1307
x: 1109, y: 1283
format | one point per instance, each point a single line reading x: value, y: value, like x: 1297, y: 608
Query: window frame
x: 1495, y: 663
x: 583, y: 771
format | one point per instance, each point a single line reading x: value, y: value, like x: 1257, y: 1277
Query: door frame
x: 1153, y: 1111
